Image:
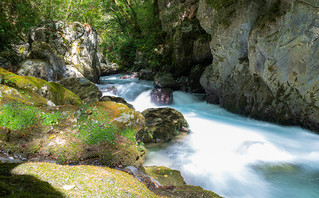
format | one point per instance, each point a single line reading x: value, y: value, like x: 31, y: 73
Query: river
x: 232, y: 155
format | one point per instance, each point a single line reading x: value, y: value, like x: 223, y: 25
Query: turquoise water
x: 233, y: 156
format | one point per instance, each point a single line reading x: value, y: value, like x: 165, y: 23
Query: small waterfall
x: 234, y: 156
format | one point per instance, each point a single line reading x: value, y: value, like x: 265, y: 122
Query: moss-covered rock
x: 164, y: 175
x: 161, y: 125
x: 116, y: 99
x: 100, y: 133
x: 85, y: 89
x: 172, y: 184
x: 52, y: 180
x: 30, y: 89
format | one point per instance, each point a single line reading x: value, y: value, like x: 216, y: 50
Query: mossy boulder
x: 118, y: 100
x: 100, y: 133
x: 161, y: 125
x: 172, y: 184
x: 85, y: 89
x: 35, y: 91
x: 165, y: 176
x: 52, y: 180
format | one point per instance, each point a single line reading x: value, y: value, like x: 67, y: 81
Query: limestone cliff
x: 265, y: 58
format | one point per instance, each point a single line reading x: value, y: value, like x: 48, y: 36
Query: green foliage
x: 18, y: 116
x: 17, y: 16
x: 125, y: 26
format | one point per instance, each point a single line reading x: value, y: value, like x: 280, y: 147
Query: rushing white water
x: 229, y: 154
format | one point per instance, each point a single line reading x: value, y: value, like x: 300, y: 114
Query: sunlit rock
x: 161, y: 125
x: 116, y: 99
x: 75, y: 43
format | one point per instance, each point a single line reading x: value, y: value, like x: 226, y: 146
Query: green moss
x: 49, y: 90
x: 164, y: 175
x: 75, y: 181
x: 95, y: 126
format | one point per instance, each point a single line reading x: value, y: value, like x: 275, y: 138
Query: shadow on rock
x: 23, y: 185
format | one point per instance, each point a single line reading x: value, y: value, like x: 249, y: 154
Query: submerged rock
x: 162, y: 96
x: 85, y: 89
x: 161, y: 125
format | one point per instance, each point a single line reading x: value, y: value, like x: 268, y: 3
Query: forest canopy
x: 124, y: 26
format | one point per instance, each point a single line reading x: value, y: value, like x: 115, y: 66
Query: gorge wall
x: 265, y: 56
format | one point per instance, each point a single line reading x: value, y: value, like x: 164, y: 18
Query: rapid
x: 231, y: 155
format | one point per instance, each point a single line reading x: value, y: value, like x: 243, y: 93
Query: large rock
x: 161, y: 125
x: 162, y: 96
x: 34, y: 91
x: 165, y: 80
x: 263, y: 66
x: 85, y: 89
x: 75, y: 43
x: 39, y: 68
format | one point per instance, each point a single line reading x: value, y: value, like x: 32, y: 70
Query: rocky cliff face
x: 265, y: 58
x: 187, y: 44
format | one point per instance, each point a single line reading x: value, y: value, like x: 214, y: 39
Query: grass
x: 18, y: 116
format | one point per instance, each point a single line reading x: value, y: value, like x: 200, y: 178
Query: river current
x: 231, y: 155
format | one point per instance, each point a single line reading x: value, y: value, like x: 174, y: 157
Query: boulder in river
x: 162, y: 96
x: 161, y: 125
